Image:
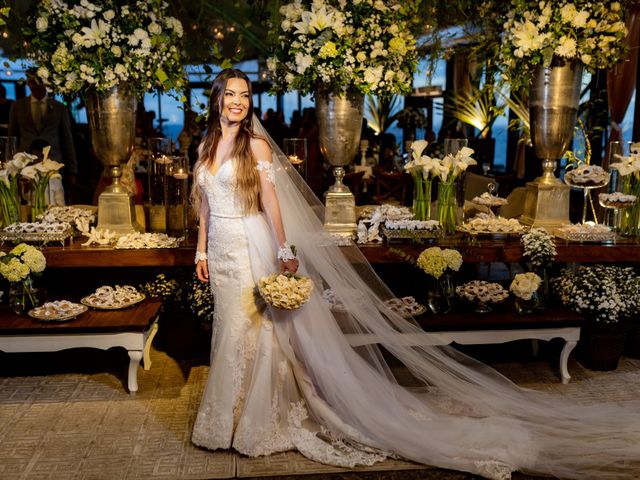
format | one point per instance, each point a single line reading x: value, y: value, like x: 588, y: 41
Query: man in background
x: 40, y: 117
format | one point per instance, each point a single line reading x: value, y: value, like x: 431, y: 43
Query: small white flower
x: 41, y: 24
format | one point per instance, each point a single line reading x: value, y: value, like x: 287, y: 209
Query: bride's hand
x: 202, y: 270
x: 290, y: 266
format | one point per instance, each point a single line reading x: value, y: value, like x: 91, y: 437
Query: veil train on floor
x: 466, y: 416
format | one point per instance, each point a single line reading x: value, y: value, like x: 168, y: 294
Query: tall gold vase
x: 112, y: 121
x: 340, y: 125
x: 554, y: 97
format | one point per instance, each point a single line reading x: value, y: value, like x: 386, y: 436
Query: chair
x: 391, y: 184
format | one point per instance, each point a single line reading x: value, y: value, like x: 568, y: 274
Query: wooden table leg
x: 564, y: 358
x: 146, y: 358
x: 134, y: 361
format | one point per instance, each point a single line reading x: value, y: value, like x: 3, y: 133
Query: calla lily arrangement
x: 629, y: 168
x: 39, y: 174
x: 9, y: 191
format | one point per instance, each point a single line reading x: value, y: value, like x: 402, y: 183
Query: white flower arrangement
x: 524, y: 285
x: 285, y: 290
x: 605, y: 294
x: 340, y: 46
x: 20, y: 262
x: 537, y: 31
x: 539, y: 246
x: 447, y: 168
x: 435, y: 261
x: 79, y: 44
x: 9, y: 180
x: 39, y: 175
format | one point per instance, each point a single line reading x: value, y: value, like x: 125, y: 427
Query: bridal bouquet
x: 435, y: 261
x: 79, y: 44
x: 537, y: 31
x: 362, y: 46
x: 285, y: 290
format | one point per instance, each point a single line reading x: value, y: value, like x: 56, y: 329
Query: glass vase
x: 441, y: 293
x: 527, y: 307
x: 630, y: 221
x: 39, y: 199
x: 23, y: 296
x: 421, y: 197
x: 10, y: 209
x: 447, y: 192
x: 543, y: 292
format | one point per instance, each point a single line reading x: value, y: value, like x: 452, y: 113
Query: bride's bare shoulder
x: 260, y: 148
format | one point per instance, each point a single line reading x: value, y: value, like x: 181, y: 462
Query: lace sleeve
x: 267, y: 167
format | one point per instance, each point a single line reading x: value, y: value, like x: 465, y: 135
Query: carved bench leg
x: 134, y: 361
x: 564, y: 358
x: 146, y: 359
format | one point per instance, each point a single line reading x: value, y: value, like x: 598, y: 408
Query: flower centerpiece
x: 81, y: 44
x: 629, y: 169
x: 39, y: 175
x: 17, y: 266
x: 420, y: 167
x: 440, y: 264
x: 525, y: 288
x: 448, y: 169
x: 363, y: 46
x: 9, y: 191
x: 286, y: 291
x: 541, y: 32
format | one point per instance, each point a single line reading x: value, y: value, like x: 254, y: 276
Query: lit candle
x: 295, y: 160
x: 180, y: 174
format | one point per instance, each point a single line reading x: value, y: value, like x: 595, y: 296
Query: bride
x: 283, y: 380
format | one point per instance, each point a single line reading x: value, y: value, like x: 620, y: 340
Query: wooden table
x: 499, y: 326
x: 132, y: 328
x: 478, y: 250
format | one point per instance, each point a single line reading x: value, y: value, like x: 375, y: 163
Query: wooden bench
x: 132, y: 328
x: 500, y: 326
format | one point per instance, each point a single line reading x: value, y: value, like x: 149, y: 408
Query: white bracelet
x: 200, y: 256
x: 285, y: 253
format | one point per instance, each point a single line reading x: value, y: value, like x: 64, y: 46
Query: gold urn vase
x: 112, y: 118
x: 554, y: 97
x: 340, y: 125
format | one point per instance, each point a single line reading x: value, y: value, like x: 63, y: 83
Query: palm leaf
x: 381, y: 112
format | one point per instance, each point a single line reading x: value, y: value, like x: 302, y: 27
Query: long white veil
x: 466, y: 416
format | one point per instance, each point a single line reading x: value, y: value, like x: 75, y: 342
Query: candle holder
x: 296, y: 151
x: 177, y: 201
x: 159, y: 149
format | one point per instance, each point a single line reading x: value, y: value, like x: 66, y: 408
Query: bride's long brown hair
x: 247, y: 178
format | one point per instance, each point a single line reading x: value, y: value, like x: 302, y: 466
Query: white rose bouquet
x: 435, y: 261
x: 535, y: 32
x: 358, y: 45
x: 524, y: 285
x: 79, y: 44
x: 604, y: 294
x: 285, y: 290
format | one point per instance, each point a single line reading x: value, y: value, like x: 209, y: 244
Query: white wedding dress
x: 290, y: 380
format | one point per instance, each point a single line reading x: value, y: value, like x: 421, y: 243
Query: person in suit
x: 39, y: 116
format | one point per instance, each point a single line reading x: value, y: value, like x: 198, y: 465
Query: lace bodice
x: 220, y: 190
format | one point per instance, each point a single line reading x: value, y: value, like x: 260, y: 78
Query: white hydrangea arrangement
x: 285, y: 290
x: 602, y: 293
x: 79, y: 44
x: 21, y: 262
x: 435, y: 261
x: 524, y: 285
x: 536, y: 31
x: 539, y: 247
x: 339, y: 45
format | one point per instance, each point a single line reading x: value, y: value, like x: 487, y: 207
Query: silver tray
x: 487, y: 233
x: 100, y: 306
x: 604, y: 237
x: 405, y: 233
x: 44, y: 237
x: 62, y: 318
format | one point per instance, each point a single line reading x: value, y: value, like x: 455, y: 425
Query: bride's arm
x: 202, y: 267
x: 270, y: 204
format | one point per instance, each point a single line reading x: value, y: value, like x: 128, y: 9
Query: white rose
x: 116, y: 50
x: 155, y: 28
x: 41, y: 24
x: 43, y: 73
x: 109, y: 15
